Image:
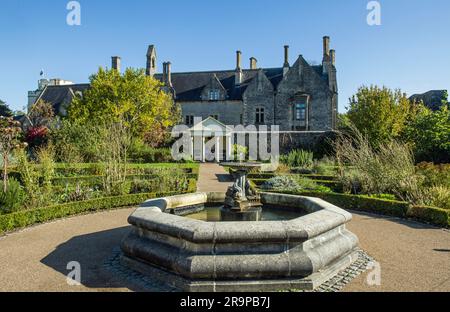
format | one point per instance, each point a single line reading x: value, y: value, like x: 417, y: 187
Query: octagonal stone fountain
x: 239, y: 241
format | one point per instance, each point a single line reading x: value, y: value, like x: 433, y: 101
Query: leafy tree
x: 133, y: 99
x: 379, y: 113
x: 5, y: 111
x: 429, y: 133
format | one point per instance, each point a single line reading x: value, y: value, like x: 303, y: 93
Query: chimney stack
x: 115, y: 64
x: 333, y: 57
x: 238, y: 60
x: 238, y: 75
x: 164, y: 72
x: 286, y: 56
x: 169, y: 74
x: 326, y: 48
x: 253, y: 63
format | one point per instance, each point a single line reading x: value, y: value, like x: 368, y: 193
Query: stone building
x: 433, y: 99
x: 300, y: 98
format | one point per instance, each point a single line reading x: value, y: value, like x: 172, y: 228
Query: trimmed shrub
x: 20, y: 219
x: 432, y: 215
x: 298, y: 159
x: 146, y: 154
x: 280, y: 183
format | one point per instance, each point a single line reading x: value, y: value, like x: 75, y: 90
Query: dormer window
x: 214, y: 95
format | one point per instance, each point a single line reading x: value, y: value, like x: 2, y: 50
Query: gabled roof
x: 56, y: 95
x: 189, y: 86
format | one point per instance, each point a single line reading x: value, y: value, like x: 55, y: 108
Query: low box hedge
x: 24, y: 218
x: 334, y: 185
x: 432, y: 215
x: 364, y: 203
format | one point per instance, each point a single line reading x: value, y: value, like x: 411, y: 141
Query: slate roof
x: 56, y: 95
x: 188, y: 86
x: 433, y: 99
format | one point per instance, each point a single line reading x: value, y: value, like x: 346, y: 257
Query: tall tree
x: 133, y: 99
x: 5, y: 111
x: 379, y: 113
x: 429, y: 133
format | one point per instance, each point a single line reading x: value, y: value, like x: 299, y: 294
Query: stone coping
x: 322, y: 217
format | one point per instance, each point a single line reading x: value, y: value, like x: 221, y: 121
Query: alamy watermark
x: 231, y: 143
x: 374, y: 276
x: 74, y: 16
x: 73, y: 278
x: 374, y: 16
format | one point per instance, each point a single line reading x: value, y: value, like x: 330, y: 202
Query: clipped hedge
x: 68, y: 170
x: 97, y: 179
x: 334, y: 185
x: 309, y: 176
x: 364, y: 203
x: 24, y: 218
x: 432, y: 215
x: 436, y: 216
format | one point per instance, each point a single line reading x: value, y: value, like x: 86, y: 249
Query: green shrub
x: 298, y: 159
x: 13, y: 199
x: 79, y: 193
x: 438, y: 196
x: 281, y: 183
x: 429, y: 214
x: 142, y: 186
x: 142, y: 153
x: 434, y: 175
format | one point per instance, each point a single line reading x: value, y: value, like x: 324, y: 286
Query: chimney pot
x: 169, y: 73
x: 326, y: 48
x: 286, y: 56
x: 253, y: 63
x: 333, y: 57
x: 238, y: 60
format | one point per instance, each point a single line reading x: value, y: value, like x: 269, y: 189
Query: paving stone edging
x: 146, y: 283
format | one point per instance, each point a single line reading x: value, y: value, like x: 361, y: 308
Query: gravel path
x: 413, y: 257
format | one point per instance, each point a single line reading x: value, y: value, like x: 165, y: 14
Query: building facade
x: 298, y: 97
x: 301, y: 99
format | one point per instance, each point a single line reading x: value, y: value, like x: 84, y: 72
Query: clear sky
x: 409, y: 50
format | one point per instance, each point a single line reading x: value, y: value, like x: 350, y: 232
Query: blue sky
x: 410, y: 50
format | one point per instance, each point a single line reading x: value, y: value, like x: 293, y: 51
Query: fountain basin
x: 194, y: 255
